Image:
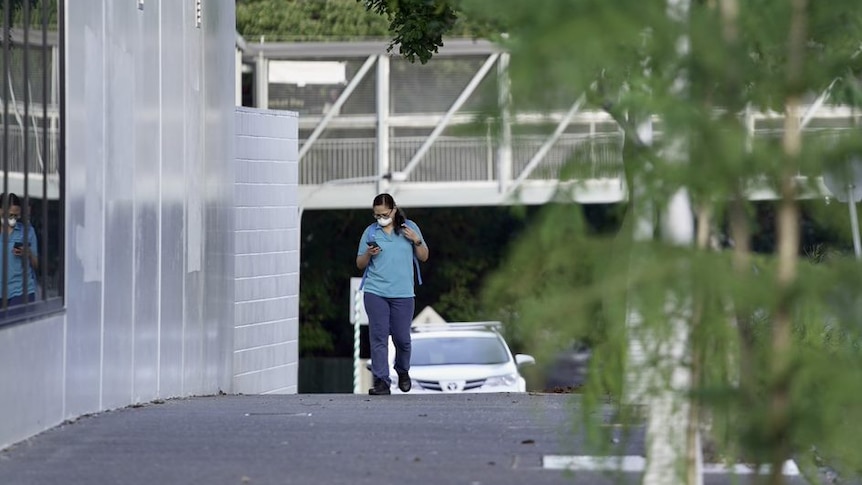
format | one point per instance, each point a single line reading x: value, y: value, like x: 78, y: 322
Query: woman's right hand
x: 373, y: 250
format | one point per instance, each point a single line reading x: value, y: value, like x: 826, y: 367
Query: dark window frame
x: 53, y: 226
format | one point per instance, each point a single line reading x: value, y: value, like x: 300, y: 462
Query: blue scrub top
x: 15, y: 274
x: 390, y: 273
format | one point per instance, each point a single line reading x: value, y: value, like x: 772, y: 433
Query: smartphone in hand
x: 373, y: 244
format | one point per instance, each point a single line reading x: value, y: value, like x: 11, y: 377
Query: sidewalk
x: 471, y: 439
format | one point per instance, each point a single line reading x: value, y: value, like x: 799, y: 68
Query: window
x: 31, y: 167
x: 458, y: 350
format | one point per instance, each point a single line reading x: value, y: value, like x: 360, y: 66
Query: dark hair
x: 13, y: 200
x: 388, y: 201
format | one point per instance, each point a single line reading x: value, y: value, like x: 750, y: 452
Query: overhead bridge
x: 440, y: 134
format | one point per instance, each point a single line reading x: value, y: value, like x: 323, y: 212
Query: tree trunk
x: 694, y: 451
x: 740, y: 233
x: 788, y: 249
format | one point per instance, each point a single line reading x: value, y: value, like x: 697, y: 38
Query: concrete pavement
x: 469, y: 439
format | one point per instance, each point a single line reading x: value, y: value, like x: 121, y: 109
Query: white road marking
x: 634, y: 464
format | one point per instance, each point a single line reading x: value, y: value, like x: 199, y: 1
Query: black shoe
x: 404, y: 382
x: 380, y: 389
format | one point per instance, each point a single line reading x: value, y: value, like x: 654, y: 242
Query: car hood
x: 460, y: 372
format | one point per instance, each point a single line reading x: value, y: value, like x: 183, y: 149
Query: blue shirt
x: 390, y: 273
x: 15, y: 271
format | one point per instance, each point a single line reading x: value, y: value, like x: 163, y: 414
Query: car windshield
x: 458, y: 350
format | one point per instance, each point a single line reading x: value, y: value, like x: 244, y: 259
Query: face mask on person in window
x: 10, y: 222
x: 384, y: 222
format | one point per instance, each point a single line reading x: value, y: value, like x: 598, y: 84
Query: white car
x: 462, y: 357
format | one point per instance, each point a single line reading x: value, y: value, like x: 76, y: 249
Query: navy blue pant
x: 389, y: 316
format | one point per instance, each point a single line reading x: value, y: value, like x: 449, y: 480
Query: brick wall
x: 266, y: 353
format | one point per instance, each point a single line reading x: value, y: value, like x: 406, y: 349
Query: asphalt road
x: 470, y: 439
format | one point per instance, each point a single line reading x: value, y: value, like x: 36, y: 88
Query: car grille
x: 435, y: 385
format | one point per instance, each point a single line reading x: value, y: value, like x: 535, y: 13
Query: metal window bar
x: 7, y: 41
x: 43, y: 241
x: 59, y: 80
x: 25, y: 207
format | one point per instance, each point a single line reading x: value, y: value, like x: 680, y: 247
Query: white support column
x: 357, y: 363
x: 749, y: 128
x: 489, y: 151
x: 504, y: 149
x: 238, y: 74
x: 383, y: 113
x: 261, y: 82
x: 593, y: 163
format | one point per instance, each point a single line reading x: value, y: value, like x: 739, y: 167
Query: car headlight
x: 507, y: 380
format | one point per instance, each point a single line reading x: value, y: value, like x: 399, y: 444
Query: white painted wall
x: 149, y: 219
x: 266, y: 337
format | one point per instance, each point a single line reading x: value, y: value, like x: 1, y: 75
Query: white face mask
x: 384, y: 222
x: 10, y: 222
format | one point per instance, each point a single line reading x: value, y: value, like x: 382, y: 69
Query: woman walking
x: 388, y: 252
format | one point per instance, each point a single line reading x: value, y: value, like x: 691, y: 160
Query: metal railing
x: 470, y: 159
x: 463, y: 159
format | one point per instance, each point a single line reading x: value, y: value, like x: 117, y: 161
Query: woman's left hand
x: 410, y: 234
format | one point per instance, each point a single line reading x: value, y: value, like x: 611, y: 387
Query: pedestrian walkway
x: 332, y: 439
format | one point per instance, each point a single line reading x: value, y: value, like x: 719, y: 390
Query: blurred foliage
x: 629, y: 59
x: 38, y: 9
x: 563, y: 283
x: 298, y: 20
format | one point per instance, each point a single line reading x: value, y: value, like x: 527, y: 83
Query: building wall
x: 267, y: 252
x: 149, y: 219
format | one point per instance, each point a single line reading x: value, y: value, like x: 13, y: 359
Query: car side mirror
x: 524, y: 359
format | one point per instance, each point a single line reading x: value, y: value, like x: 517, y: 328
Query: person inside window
x: 20, y: 248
